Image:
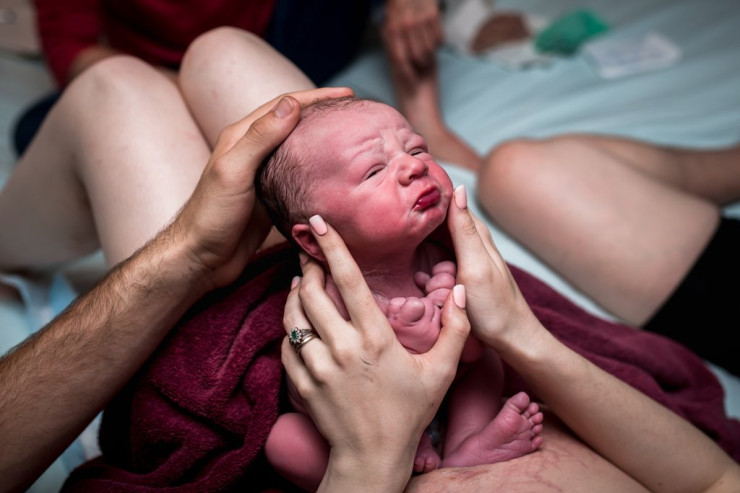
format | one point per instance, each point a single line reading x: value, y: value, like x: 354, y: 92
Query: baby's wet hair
x: 281, y: 183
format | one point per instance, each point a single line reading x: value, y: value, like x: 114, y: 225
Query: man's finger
x: 266, y: 133
x: 231, y: 134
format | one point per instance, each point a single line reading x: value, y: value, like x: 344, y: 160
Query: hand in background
x: 412, y: 33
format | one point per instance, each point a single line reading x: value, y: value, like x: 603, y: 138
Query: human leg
x: 621, y: 236
x: 481, y: 427
x: 419, y: 103
x: 115, y: 159
x: 297, y: 451
x: 710, y: 173
x: 227, y: 73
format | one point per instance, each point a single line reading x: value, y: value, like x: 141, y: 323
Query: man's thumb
x: 269, y: 131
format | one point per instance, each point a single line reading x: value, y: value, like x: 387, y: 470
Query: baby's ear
x: 303, y: 236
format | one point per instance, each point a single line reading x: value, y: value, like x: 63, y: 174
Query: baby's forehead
x: 335, y: 122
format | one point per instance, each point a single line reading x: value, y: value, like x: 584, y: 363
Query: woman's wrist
x: 381, y: 471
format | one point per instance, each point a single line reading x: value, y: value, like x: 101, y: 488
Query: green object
x: 567, y: 33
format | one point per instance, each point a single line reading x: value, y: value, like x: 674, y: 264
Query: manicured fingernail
x: 458, y: 295
x: 461, y: 197
x: 295, y: 282
x: 318, y: 225
x: 302, y: 257
x: 283, y: 108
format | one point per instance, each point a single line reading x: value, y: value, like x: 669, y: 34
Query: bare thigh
x: 713, y: 174
x: 115, y: 159
x: 563, y: 463
x: 227, y: 73
x: 621, y: 236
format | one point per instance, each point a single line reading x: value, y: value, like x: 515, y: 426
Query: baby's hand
x: 437, y: 285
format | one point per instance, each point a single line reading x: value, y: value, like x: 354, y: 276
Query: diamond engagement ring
x: 299, y: 337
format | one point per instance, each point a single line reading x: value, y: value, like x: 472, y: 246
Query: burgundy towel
x: 196, y: 417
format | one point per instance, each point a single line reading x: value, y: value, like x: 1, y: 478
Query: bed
x: 695, y: 101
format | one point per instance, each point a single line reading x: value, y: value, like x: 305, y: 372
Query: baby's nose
x: 412, y: 168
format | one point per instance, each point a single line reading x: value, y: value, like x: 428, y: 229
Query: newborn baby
x: 359, y: 165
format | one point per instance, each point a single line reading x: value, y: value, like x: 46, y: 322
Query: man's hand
x: 222, y: 224
x: 412, y: 33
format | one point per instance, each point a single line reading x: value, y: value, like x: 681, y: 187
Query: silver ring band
x: 299, y: 337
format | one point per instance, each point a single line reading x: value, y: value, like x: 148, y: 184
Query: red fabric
x: 197, y: 416
x: 157, y: 31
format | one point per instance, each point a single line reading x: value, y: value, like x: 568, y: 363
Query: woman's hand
x: 369, y: 397
x: 221, y: 224
x: 496, y: 307
x: 412, y: 33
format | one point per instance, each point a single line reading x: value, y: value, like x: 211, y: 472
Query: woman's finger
x: 445, y: 353
x: 469, y: 246
x: 358, y: 298
x: 320, y: 309
x: 294, y: 317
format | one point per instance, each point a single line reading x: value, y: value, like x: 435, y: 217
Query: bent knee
x: 221, y: 40
x: 119, y: 75
x: 509, y: 167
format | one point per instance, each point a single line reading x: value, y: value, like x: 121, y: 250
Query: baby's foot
x: 416, y: 322
x: 427, y: 459
x: 514, y: 432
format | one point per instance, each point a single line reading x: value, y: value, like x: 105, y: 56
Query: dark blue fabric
x: 320, y: 36
x: 30, y: 120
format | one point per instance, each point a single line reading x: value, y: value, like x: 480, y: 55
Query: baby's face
x: 373, y: 179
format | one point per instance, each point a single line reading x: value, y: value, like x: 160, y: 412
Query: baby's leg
x: 480, y: 430
x: 297, y: 450
x: 514, y: 432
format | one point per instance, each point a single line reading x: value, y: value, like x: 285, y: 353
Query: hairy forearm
x: 54, y: 384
